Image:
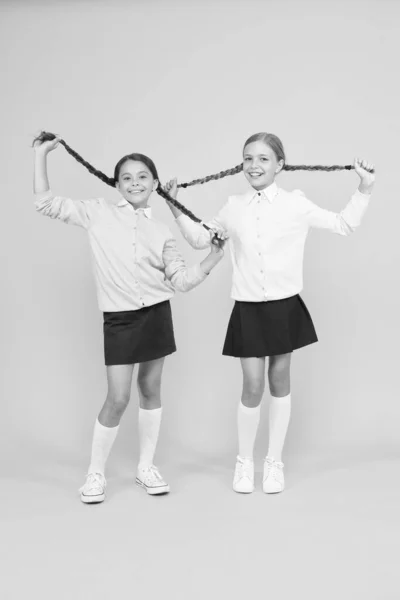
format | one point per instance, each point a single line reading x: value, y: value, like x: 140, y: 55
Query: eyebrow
x: 266, y: 155
x: 139, y: 172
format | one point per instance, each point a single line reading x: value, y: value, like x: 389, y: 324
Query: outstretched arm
x: 345, y: 222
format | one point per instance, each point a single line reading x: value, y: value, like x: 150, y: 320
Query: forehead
x: 133, y: 167
x: 256, y: 148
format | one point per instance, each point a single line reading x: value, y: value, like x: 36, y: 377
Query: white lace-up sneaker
x: 243, y: 481
x: 149, y: 478
x: 273, y: 480
x: 94, y: 489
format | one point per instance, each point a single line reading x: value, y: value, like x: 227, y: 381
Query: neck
x: 137, y: 205
x: 263, y: 187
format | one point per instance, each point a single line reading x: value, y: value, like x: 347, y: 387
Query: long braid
x: 46, y: 136
x: 317, y: 168
x: 164, y: 194
x: 219, y: 175
x: 239, y: 168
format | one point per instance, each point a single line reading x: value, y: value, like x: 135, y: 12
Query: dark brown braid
x: 219, y: 175
x: 239, y: 168
x: 46, y: 136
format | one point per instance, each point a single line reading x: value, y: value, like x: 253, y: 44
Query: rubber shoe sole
x: 93, y: 499
x: 153, y: 491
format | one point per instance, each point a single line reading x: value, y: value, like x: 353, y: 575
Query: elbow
x: 346, y: 229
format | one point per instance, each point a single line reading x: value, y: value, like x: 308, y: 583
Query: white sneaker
x: 150, y: 479
x: 273, y: 480
x: 94, y: 490
x: 243, y: 481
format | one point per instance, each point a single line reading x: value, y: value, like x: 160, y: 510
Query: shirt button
x: 258, y: 193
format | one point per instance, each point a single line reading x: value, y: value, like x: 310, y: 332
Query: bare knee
x: 253, y: 390
x: 279, y: 376
x: 117, y: 403
x: 149, y: 391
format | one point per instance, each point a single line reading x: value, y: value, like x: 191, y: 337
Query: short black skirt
x: 136, y: 336
x: 258, y: 329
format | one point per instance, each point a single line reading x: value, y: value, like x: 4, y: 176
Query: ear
x: 155, y: 185
x: 280, y: 166
x: 117, y: 185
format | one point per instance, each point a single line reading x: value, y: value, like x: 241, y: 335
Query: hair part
x: 270, y: 140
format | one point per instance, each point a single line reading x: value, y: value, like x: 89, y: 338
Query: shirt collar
x: 269, y: 193
x: 146, y: 211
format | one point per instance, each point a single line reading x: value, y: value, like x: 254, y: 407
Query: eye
x: 264, y: 159
x: 126, y: 178
x: 143, y: 177
x: 247, y: 159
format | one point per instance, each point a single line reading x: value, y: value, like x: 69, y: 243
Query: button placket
x: 134, y: 244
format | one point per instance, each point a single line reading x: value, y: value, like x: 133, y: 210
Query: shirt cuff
x: 366, y: 196
x: 43, y: 195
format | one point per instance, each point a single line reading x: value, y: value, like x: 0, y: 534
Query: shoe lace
x: 244, y: 468
x: 93, y: 481
x: 274, y: 469
x: 152, y: 474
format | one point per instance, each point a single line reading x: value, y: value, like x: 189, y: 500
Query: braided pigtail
x: 215, y: 177
x: 46, y: 136
x: 317, y: 168
x: 164, y: 194
x: 239, y: 168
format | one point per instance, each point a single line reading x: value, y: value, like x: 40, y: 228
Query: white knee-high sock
x: 149, y: 428
x: 103, y: 439
x: 279, y: 417
x: 248, y: 420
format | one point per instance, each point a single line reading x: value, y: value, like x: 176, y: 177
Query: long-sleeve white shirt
x: 267, y: 233
x: 136, y: 261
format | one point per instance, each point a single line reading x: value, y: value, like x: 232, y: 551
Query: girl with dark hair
x: 137, y: 269
x: 268, y: 227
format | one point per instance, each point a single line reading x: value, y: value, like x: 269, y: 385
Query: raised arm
x: 40, y: 176
x: 185, y: 278
x: 74, y: 212
x: 345, y: 222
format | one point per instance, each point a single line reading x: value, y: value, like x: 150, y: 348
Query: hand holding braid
x: 49, y: 141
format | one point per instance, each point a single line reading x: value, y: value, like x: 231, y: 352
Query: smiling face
x: 136, y: 183
x: 260, y: 164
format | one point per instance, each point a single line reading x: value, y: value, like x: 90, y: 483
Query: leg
x: 119, y: 379
x: 279, y: 375
x: 279, y: 417
x: 150, y: 412
x: 105, y: 431
x: 119, y: 388
x: 253, y: 381
x: 248, y: 419
x: 149, y: 384
x: 279, y: 411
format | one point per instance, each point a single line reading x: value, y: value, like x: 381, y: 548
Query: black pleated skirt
x: 258, y: 329
x: 136, y: 336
